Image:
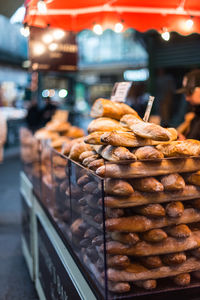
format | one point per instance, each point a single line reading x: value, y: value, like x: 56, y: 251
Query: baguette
x: 151, y: 210
x: 125, y: 238
x: 114, y: 154
x: 145, y: 129
x: 182, y: 279
x: 118, y: 261
x: 110, y: 109
x: 154, y: 235
x: 90, y: 159
x: 173, y: 182
x: 180, y: 231
x: 180, y: 148
x: 106, y: 124
x: 83, y: 180
x: 94, y: 165
x: 148, y: 152
x: 174, y: 258
x: 139, y: 198
x: 140, y: 223
x: 137, y: 272
x: 77, y: 149
x: 151, y: 262
x: 147, y: 284
x: 147, y: 184
x: 174, y: 209
x: 86, y: 154
x: 169, y: 245
x: 193, y: 178
x: 118, y: 187
x: 94, y: 138
x: 125, y: 139
x: 141, y: 169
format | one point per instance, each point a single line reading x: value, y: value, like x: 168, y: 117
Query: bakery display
x: 126, y: 196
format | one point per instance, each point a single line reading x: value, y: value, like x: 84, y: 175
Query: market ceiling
x: 141, y: 15
x: 8, y: 7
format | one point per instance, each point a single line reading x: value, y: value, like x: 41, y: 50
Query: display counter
x: 91, y: 241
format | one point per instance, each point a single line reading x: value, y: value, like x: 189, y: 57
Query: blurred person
x: 3, y: 134
x: 48, y: 111
x: 138, y: 98
x: 33, y: 117
x: 190, y: 128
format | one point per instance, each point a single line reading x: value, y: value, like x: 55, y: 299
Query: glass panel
x: 87, y: 227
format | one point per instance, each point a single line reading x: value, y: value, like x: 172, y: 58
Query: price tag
x: 120, y: 91
x: 148, y: 109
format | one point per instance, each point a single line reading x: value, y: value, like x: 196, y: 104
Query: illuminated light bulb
x: 58, y: 34
x: 39, y: 49
x: 189, y: 24
x: 53, y: 46
x: 165, y: 35
x: 41, y: 5
x: 52, y: 93
x: 47, y: 38
x: 118, y: 27
x: 25, y: 31
x: 62, y: 93
x: 45, y: 93
x: 98, y: 29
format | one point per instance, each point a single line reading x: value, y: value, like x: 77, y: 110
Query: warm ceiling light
x: 165, y: 35
x: 98, y: 29
x: 58, y: 34
x: 38, y: 49
x: 119, y: 27
x: 47, y: 38
x: 25, y: 31
x: 41, y: 5
x: 53, y: 46
x: 189, y: 23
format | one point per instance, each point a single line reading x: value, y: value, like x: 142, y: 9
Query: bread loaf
x: 94, y: 138
x: 137, y: 272
x: 173, y: 182
x: 105, y: 124
x: 148, y: 152
x: 182, y: 279
x: 154, y: 235
x: 193, y: 178
x: 147, y: 184
x: 143, y: 169
x: 77, y: 149
x: 118, y: 187
x: 125, y: 238
x: 151, y: 210
x: 180, y: 148
x: 151, y: 262
x: 114, y: 154
x: 145, y: 129
x: 180, y: 231
x: 110, y: 109
x: 174, y: 209
x: 139, y: 198
x: 86, y: 154
x: 140, y: 223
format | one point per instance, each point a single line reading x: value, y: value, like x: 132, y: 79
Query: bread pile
x: 152, y: 200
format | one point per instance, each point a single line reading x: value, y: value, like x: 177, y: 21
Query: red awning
x: 141, y: 15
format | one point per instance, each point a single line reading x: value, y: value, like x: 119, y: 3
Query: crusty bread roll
x: 180, y: 148
x: 110, y: 109
x: 182, y: 279
x: 145, y: 129
x: 67, y: 147
x: 151, y: 262
x: 125, y: 238
x: 181, y: 231
x: 147, y: 184
x: 173, y: 182
x: 118, y: 261
x: 105, y: 124
x: 174, y: 209
x: 94, y: 165
x: 174, y: 258
x: 148, y: 152
x: 90, y: 159
x: 86, y: 154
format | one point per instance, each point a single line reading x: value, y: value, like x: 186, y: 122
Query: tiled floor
x: 15, y: 283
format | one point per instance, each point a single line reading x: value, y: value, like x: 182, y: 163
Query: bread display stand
x: 86, y: 248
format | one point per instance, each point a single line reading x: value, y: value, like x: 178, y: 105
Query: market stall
x: 114, y: 214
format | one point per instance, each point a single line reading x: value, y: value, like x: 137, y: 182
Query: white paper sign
x: 120, y: 91
x: 148, y: 109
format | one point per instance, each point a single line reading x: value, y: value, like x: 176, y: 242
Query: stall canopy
x: 142, y: 15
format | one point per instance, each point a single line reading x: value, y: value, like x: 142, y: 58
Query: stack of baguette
x: 152, y: 199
